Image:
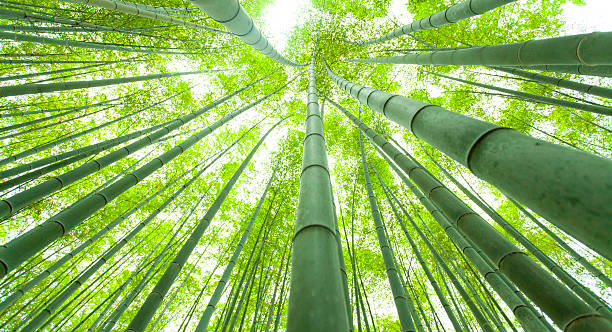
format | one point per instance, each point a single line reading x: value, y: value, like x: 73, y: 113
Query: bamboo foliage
x: 119, y: 6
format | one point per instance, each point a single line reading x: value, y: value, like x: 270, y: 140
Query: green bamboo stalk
x: 583, y: 49
x: 445, y: 305
x: 25, y: 89
x: 413, y: 313
x: 563, y: 306
x: 17, y: 294
x: 58, y: 71
x: 560, y: 82
x: 23, y: 132
x: 35, y: 315
x: 43, y: 147
x: 347, y: 296
x: 451, y: 296
x: 148, y: 308
x: 77, y: 108
x: 461, y: 271
x: 598, y: 109
x: 413, y: 294
x: 587, y: 265
x: 238, y: 286
x: 214, y: 299
x: 180, y: 287
x: 452, y: 14
x: 110, y: 322
x: 580, y: 208
x: 582, y: 291
x: 11, y: 205
x: 88, y: 45
x: 245, y: 294
x: 130, y: 10
x: 282, y: 295
x: 24, y: 246
x: 276, y: 287
x: 396, y: 288
x: 603, y: 70
x: 232, y: 16
x: 350, y: 249
x: 93, y: 268
x: 317, y: 301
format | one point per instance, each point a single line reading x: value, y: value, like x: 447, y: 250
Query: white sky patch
x: 281, y: 17
x: 593, y: 16
x: 398, y: 10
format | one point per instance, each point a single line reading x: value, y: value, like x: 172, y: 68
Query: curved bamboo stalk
x: 590, y: 298
x: 560, y: 82
x: 584, y: 49
x: 19, y: 249
x: 130, y: 10
x: 452, y: 14
x: 216, y: 296
x: 152, y: 302
x: 535, y: 98
x: 37, y: 321
x: 579, y: 209
x: 231, y: 15
x: 88, y: 45
x: 314, y: 269
x: 399, y: 297
x: 26, y: 89
x: 565, y: 308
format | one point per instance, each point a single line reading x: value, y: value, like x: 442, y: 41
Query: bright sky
x: 594, y: 16
x: 281, y: 17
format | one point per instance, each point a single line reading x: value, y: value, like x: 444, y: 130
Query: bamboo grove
x: 391, y: 166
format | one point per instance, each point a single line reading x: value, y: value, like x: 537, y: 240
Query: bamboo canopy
x: 351, y: 166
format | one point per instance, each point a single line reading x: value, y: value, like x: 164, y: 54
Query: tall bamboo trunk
x: 525, y: 168
x: 452, y: 14
x: 317, y: 300
x: 562, y: 306
x: 153, y: 300
x: 231, y: 15
x: 21, y: 248
x: 399, y: 297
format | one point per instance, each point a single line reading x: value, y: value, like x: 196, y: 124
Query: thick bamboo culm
x: 526, y: 166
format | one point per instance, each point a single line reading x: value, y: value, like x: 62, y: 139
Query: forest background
x: 293, y: 30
